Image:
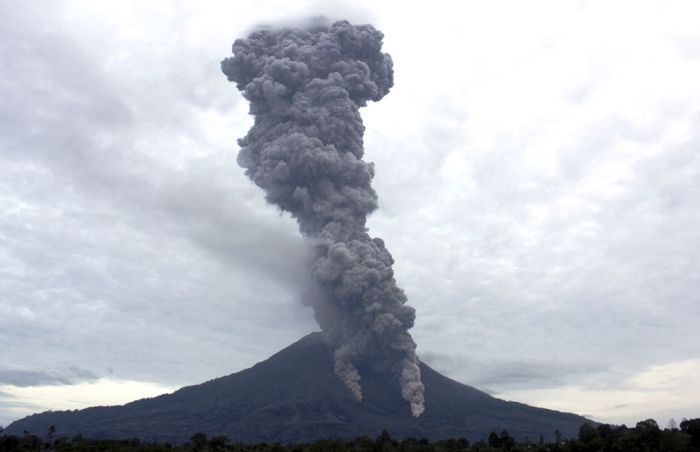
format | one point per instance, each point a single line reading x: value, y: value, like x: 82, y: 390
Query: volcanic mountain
x: 295, y: 396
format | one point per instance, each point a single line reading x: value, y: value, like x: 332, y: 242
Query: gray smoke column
x: 305, y: 88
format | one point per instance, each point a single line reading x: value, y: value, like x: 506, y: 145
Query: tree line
x: 646, y: 436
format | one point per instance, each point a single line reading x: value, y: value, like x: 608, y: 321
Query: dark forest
x: 645, y: 436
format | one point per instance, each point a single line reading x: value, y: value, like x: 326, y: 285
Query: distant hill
x: 294, y: 396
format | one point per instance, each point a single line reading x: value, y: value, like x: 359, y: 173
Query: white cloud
x: 18, y: 401
x: 666, y: 391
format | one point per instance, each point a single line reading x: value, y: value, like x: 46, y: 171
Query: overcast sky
x: 537, y: 165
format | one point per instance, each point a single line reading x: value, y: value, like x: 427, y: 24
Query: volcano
x: 295, y: 396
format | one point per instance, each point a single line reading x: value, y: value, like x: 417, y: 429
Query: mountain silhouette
x: 294, y: 396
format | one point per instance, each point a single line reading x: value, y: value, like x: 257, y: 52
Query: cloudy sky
x: 538, y: 172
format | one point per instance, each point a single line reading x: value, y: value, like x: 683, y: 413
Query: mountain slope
x: 294, y: 396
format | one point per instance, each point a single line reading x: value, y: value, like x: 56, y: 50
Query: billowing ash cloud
x: 305, y: 150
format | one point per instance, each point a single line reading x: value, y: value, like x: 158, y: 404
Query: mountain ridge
x: 294, y: 396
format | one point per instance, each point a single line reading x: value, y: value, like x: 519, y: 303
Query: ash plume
x: 305, y: 88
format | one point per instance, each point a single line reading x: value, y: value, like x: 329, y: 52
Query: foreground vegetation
x: 646, y: 436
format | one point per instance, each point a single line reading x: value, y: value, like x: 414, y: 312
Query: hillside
x: 294, y: 396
